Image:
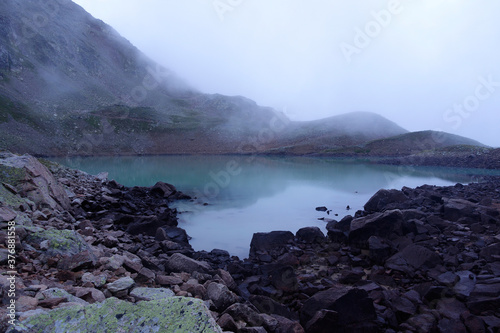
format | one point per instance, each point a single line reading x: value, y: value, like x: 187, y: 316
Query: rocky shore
x: 94, y: 256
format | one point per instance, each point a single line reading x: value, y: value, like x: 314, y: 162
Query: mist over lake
x: 237, y: 196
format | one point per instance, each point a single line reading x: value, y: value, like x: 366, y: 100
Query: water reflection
x: 254, y: 194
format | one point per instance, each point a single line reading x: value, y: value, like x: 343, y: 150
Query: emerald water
x: 237, y: 196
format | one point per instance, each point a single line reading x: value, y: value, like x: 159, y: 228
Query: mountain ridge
x: 71, y: 85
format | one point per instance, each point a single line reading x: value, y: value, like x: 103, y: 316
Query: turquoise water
x: 258, y: 194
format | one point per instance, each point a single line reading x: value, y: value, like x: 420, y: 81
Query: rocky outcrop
x: 26, y: 175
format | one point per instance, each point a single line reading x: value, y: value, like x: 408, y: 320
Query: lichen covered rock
x: 174, y: 314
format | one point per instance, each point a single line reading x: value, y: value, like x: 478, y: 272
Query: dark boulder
x: 163, y: 190
x: 379, y: 249
x: 270, y: 241
x: 413, y: 257
x: 386, y: 199
x: 311, y: 235
x: 174, y: 234
x: 284, y: 278
x: 354, y: 307
x: 385, y: 225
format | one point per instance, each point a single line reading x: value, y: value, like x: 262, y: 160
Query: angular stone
x: 63, y: 242
x: 124, y: 283
x: 242, y: 312
x: 413, y: 257
x: 466, y: 284
x: 97, y: 281
x: 79, y: 261
x: 323, y: 321
x: 352, y: 305
x: 454, y: 209
x: 180, y: 263
x: 163, y: 189
x: 168, y: 280
x: 90, y: 295
x: 284, y: 278
x: 227, y: 323
x: 267, y: 305
x: 448, y: 279
x: 26, y: 303
x: 166, y: 315
x: 150, y: 294
x: 385, y: 225
x: 265, y: 242
x: 220, y: 295
x: 61, y: 293
x: 7, y: 215
x: 379, y: 250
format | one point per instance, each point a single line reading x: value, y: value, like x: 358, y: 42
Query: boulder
x: 379, y: 249
x: 384, y: 200
x: 269, y: 241
x: 220, y: 295
x: 163, y: 190
x: 353, y: 306
x: 123, y: 283
x: 242, y: 312
x: 173, y: 314
x: 284, y: 278
x: 174, y: 234
x: 311, y: 235
x: 413, y: 257
x: 7, y: 215
x: 62, y: 242
x: 180, y: 263
x: 56, y: 293
x: 454, y: 209
x: 385, y: 225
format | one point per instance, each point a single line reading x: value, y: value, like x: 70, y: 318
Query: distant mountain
x: 409, y: 144
x: 70, y: 84
x: 336, y: 132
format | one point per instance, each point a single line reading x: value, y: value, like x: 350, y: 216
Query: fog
x: 428, y: 64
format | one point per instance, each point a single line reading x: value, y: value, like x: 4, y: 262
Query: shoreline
x: 404, y: 262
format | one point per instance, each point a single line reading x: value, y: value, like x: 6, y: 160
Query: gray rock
x: 98, y: 281
x: 7, y: 215
x: 221, y: 296
x: 466, y: 283
x: 121, y: 284
x: 180, y: 263
x: 58, y: 293
x: 150, y: 294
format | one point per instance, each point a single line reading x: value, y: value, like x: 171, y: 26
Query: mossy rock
x: 64, y: 242
x: 176, y: 314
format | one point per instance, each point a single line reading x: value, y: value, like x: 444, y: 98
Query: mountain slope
x: 335, y: 132
x: 70, y: 84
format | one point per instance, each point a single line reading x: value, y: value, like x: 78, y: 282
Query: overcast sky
x: 425, y: 64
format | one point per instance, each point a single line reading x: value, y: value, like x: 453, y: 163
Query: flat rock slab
x: 176, y: 314
x: 151, y: 294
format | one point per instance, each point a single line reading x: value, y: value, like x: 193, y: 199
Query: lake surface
x: 259, y: 194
